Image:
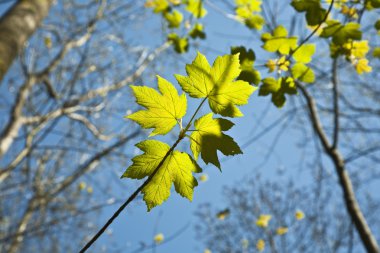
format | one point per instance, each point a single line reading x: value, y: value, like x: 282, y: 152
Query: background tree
x: 62, y: 106
x: 67, y: 104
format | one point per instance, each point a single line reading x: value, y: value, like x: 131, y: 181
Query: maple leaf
x: 195, y: 7
x: 304, y: 53
x: 314, y: 11
x: 208, y: 138
x: 177, y: 168
x: 247, y: 59
x: 278, y: 88
x: 163, y: 111
x: 279, y: 41
x: 341, y: 33
x: 217, y: 84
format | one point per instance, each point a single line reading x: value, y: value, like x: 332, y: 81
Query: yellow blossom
x: 207, y: 251
x: 260, y: 245
x: 271, y: 65
x: 282, y: 230
x: 362, y: 66
x: 158, y: 238
x: 283, y: 63
x: 299, y: 215
x: 359, y: 49
x: 263, y: 220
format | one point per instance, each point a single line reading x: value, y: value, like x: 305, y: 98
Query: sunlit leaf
x: 217, y: 84
x: 279, y: 41
x: 164, y: 109
x: 177, y: 168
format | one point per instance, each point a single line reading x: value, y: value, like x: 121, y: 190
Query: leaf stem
x: 195, y: 113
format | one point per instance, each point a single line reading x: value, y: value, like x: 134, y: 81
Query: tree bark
x: 16, y: 26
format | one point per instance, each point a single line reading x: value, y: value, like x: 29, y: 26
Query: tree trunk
x: 16, y: 26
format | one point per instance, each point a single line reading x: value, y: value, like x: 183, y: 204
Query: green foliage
x: 174, y: 18
x: 195, y: 7
x: 227, y: 84
x: 376, y: 52
x: 377, y: 26
x: 255, y: 22
x: 197, y: 32
x: 304, y: 53
x: 279, y: 41
x: 278, y: 88
x: 177, y: 168
x: 217, y: 84
x: 314, y: 11
x: 245, y: 11
x: 163, y: 111
x: 162, y: 164
x: 208, y: 138
x: 247, y: 59
x: 372, y: 4
x: 181, y: 44
x: 303, y: 73
x: 341, y: 33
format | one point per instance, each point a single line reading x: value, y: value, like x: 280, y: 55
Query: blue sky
x: 266, y: 155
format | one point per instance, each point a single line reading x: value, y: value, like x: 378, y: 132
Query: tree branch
x: 350, y: 200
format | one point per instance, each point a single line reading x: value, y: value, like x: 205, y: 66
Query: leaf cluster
x: 165, y: 108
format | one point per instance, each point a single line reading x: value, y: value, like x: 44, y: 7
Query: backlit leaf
x: 174, y: 18
x: 177, y: 168
x: 247, y: 59
x: 208, y: 138
x: 279, y: 41
x: 217, y: 84
x: 304, y: 53
x: 278, y: 88
x: 341, y: 33
x: 303, y: 73
x: 195, y: 7
x: 163, y: 109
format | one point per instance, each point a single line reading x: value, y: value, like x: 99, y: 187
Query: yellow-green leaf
x: 195, y: 7
x: 376, y: 52
x: 177, y: 168
x: 303, y: 73
x: 163, y: 110
x: 197, y: 32
x: 278, y: 89
x: 304, y: 53
x: 255, y: 22
x: 174, y: 18
x: 208, y: 138
x: 217, y: 84
x: 181, y: 44
x: 157, y: 5
x: 279, y: 41
x: 341, y: 33
x: 247, y: 59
